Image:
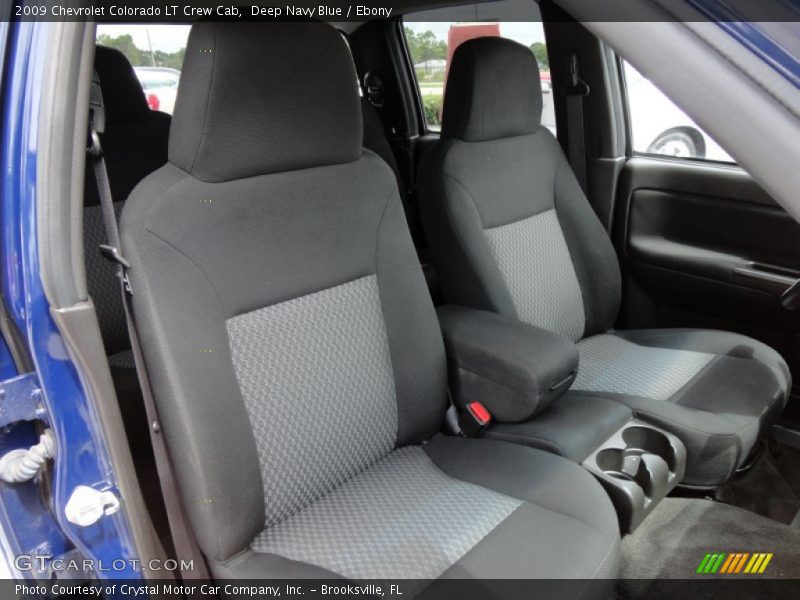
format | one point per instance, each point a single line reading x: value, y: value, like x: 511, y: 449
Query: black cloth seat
x: 511, y: 231
x: 294, y: 351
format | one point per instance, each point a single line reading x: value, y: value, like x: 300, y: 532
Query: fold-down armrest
x: 514, y: 369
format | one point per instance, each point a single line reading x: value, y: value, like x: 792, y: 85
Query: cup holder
x: 638, y: 466
x: 651, y: 441
x: 627, y: 465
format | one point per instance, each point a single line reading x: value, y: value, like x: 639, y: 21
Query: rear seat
x: 135, y: 145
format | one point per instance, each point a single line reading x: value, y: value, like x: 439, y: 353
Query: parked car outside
x: 660, y: 127
x: 160, y: 85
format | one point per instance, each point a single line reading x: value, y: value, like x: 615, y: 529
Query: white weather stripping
x: 21, y: 465
x: 86, y: 505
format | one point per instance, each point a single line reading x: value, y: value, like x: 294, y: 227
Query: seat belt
x: 575, y: 93
x: 186, y: 548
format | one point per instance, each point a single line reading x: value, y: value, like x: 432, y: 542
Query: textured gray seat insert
x: 328, y: 348
x: 613, y: 364
x: 534, y: 261
x: 402, y: 518
x: 511, y: 231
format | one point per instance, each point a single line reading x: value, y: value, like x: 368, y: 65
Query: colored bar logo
x: 733, y: 563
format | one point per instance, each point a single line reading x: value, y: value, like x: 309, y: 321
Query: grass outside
x: 432, y: 104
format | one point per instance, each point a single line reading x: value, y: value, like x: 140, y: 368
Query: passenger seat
x: 294, y: 352
x: 511, y: 231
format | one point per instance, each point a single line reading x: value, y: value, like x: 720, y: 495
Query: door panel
x: 703, y: 245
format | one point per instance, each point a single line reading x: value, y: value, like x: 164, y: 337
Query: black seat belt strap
x: 183, y: 539
x: 575, y: 92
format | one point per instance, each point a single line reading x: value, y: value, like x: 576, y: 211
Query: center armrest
x: 514, y: 369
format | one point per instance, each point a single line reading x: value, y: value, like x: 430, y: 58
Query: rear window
x: 156, y: 53
x: 432, y: 37
x: 154, y: 77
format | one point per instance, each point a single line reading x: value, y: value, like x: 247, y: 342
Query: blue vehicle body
x: 81, y: 457
x: 754, y: 38
x: 55, y: 388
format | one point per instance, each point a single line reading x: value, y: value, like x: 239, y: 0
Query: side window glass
x: 657, y: 126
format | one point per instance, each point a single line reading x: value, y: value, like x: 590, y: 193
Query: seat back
x: 283, y: 316
x: 509, y: 228
x: 134, y: 145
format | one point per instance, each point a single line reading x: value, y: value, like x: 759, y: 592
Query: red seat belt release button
x: 475, y: 419
x: 479, y: 413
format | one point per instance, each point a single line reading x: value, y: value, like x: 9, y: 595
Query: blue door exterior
x: 55, y: 390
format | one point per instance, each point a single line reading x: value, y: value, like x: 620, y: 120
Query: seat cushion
x: 716, y: 390
x: 565, y: 512
x: 453, y: 508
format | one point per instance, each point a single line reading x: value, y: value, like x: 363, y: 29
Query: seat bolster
x: 420, y: 378
x: 593, y: 257
x: 546, y: 480
x: 260, y: 565
x: 454, y: 231
x: 723, y: 343
x: 210, y: 441
x: 507, y: 554
x: 562, y: 504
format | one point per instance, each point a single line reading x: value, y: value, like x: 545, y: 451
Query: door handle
x: 770, y: 278
x: 774, y: 280
x: 790, y: 299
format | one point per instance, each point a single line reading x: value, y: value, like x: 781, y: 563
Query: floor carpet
x: 673, y: 540
x: 770, y: 488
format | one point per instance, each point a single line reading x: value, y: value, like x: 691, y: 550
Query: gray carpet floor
x: 771, y: 488
x: 675, y: 537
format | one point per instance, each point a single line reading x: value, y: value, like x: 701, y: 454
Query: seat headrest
x: 493, y: 91
x: 123, y: 97
x: 264, y: 97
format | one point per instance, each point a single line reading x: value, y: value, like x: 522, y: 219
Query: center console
x: 521, y: 375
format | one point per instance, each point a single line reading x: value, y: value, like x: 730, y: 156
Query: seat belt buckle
x: 474, y: 419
